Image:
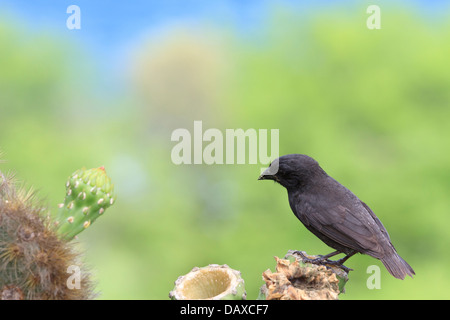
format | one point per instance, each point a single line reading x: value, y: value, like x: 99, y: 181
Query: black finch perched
x: 333, y: 213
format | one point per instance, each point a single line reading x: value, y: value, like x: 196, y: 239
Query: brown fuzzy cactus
x: 294, y: 280
x: 35, y: 263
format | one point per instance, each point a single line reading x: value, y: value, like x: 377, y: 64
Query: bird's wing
x: 346, y: 222
x: 377, y: 221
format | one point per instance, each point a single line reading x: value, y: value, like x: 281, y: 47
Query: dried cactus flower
x: 294, y: 280
x: 213, y: 282
x: 34, y: 260
x: 341, y: 272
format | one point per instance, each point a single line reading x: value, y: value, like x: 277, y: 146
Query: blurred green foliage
x: 372, y: 106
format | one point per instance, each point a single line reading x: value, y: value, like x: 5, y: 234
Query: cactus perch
x: 296, y: 280
x: 213, y: 282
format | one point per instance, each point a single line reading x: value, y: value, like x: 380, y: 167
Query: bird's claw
x: 323, y: 261
x: 338, y: 264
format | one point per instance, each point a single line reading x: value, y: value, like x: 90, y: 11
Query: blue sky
x: 114, y: 21
x: 110, y: 28
x: 108, y: 24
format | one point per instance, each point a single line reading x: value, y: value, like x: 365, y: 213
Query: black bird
x: 333, y: 213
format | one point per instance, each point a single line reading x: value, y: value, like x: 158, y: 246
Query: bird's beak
x: 267, y: 175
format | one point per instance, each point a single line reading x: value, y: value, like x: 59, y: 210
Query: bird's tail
x: 398, y: 267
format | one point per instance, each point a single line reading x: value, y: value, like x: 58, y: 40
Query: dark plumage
x: 333, y: 213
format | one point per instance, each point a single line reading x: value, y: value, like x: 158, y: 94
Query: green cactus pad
x: 88, y: 194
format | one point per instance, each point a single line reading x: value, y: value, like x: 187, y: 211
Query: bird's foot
x: 324, y: 261
x: 337, y: 263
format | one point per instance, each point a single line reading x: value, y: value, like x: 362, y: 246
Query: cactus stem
x: 89, y: 194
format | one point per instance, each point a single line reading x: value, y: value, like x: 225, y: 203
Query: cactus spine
x: 37, y: 258
x: 34, y: 260
x: 88, y: 194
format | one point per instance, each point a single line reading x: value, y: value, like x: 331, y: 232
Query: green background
x: 372, y: 106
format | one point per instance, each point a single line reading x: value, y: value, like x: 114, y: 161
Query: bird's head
x: 292, y: 170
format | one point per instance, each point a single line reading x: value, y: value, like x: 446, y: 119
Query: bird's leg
x: 318, y: 260
x: 342, y: 260
x: 340, y: 263
x: 323, y: 260
x: 332, y: 254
